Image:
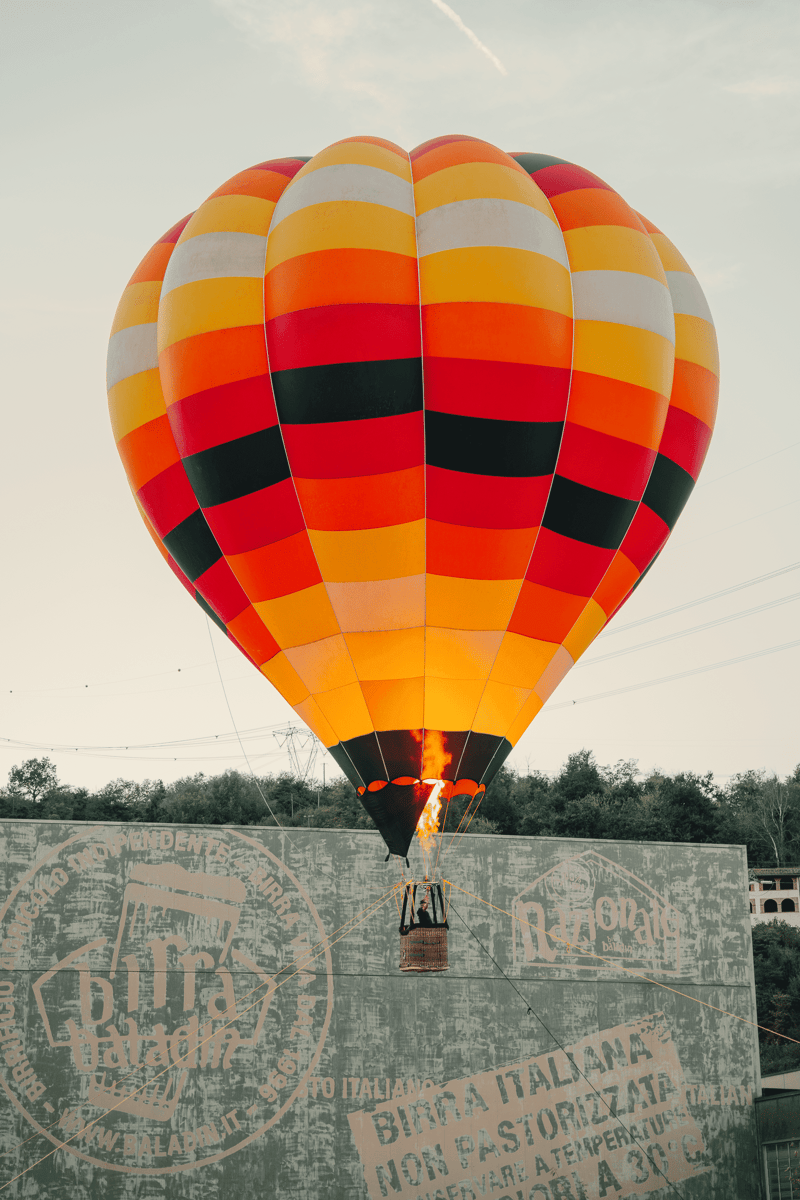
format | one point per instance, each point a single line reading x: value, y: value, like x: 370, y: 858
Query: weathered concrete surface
x: 302, y: 1066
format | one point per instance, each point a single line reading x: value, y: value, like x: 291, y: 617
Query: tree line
x: 584, y: 799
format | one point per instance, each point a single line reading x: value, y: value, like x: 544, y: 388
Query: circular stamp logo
x: 165, y: 993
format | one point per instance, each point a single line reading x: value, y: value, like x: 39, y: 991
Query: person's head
x: 424, y: 904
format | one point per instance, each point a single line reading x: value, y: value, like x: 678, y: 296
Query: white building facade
x: 775, y: 894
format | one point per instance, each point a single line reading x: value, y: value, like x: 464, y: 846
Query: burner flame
x: 428, y: 823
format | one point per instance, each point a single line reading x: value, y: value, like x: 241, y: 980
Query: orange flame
x: 428, y: 822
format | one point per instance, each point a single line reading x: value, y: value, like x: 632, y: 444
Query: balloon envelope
x: 410, y: 428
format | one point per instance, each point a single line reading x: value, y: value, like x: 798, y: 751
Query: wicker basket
x: 424, y: 949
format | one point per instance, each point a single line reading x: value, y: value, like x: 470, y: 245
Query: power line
x: 633, y: 687
x: 754, y: 463
x: 669, y: 637
x: 668, y: 612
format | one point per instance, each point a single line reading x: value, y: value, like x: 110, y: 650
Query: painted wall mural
x: 215, y: 1008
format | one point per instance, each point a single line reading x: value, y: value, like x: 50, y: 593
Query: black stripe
x: 668, y: 490
x: 480, y: 446
x: 348, y: 391
x: 193, y: 546
x: 587, y: 515
x: 483, y: 756
x: 536, y: 162
x: 237, y: 468
x: 208, y: 610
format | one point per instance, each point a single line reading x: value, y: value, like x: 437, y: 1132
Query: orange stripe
x: 468, y: 553
x: 616, y: 583
x: 368, y: 140
x: 498, y: 332
x: 253, y: 636
x: 147, y: 451
x: 210, y: 359
x: 623, y: 410
x: 267, y: 185
x: 455, y: 153
x: 276, y: 570
x: 593, y: 206
x: 695, y: 389
x: 368, y: 502
x: 544, y: 613
x: 154, y: 264
x: 341, y: 276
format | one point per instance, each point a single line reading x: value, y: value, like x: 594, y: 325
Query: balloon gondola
x: 410, y: 428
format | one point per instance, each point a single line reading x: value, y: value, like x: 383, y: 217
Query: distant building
x: 775, y: 895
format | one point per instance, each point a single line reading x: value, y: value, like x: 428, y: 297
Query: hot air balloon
x: 411, y: 428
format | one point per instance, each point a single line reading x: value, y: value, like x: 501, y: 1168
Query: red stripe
x: 485, y: 501
x: 256, y: 520
x: 567, y: 565
x: 338, y: 333
x: 281, y: 166
x: 609, y: 464
x: 173, y: 234
x: 644, y: 539
x: 168, y: 499
x: 222, y: 414
x: 685, y: 440
x: 220, y: 588
x: 566, y: 177
x: 344, y: 449
x: 502, y: 390
x: 435, y: 143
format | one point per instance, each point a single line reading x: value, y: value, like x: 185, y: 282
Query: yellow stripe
x: 283, y: 676
x: 470, y: 604
x: 138, y: 306
x: 346, y: 710
x: 696, y: 342
x: 310, y: 712
x: 390, y: 654
x: 476, y: 181
x: 135, y: 401
x: 532, y: 706
x: 359, y: 555
x: 451, y: 704
x: 301, y: 617
x: 460, y: 653
x: 613, y: 248
x: 585, y: 630
x: 341, y: 224
x: 624, y: 352
x: 323, y: 665
x: 521, y: 660
x: 395, y: 703
x: 671, y: 257
x: 495, y: 274
x: 230, y: 214
x: 209, y: 304
x: 363, y: 153
x: 499, y: 707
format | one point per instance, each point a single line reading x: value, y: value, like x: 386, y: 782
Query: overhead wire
x: 681, y: 633
x: 241, y: 743
x: 715, y: 666
x: 668, y: 612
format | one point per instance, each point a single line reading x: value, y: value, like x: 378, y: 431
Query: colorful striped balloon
x: 411, y: 427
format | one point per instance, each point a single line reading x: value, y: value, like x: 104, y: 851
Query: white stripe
x: 687, y: 295
x: 222, y: 255
x: 623, y: 298
x: 345, y: 181
x: 130, y: 351
x: 379, y: 604
x: 490, y: 222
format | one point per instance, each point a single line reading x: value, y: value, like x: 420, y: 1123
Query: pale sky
x: 119, y: 119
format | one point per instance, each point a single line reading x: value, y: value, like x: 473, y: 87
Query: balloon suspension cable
x: 239, y: 739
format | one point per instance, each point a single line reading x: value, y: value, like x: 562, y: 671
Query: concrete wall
x: 178, y: 1006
